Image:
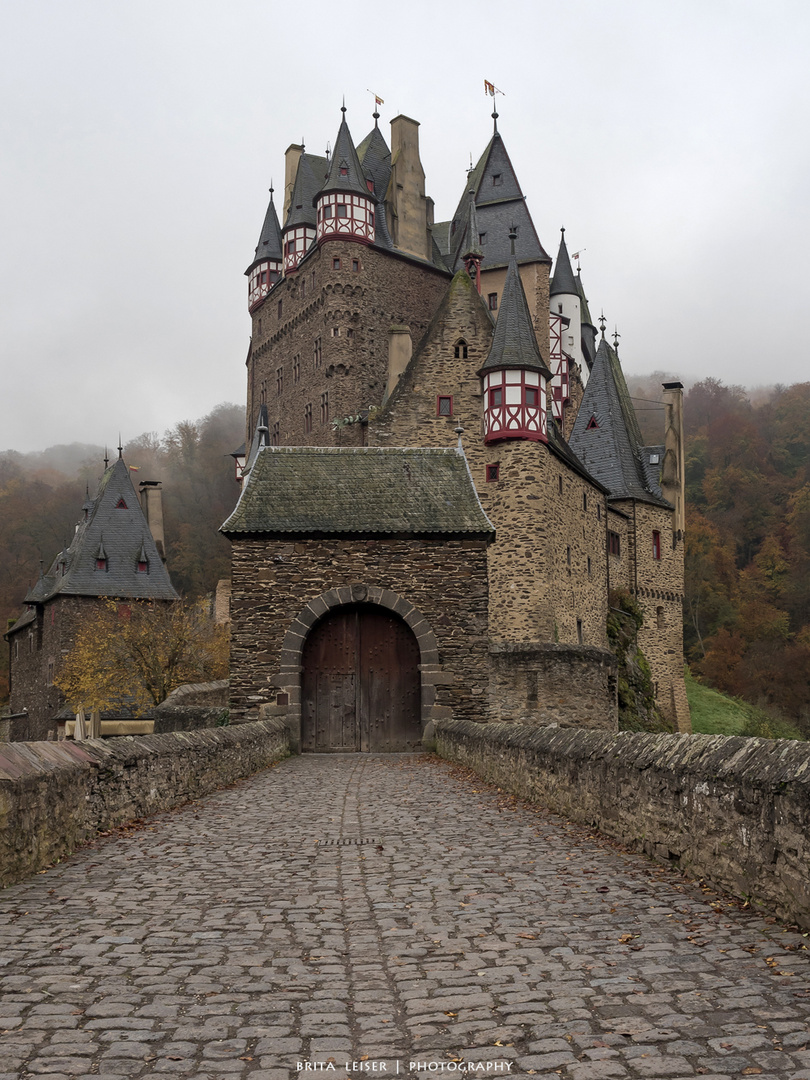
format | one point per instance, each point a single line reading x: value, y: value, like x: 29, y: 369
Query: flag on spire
x: 492, y: 89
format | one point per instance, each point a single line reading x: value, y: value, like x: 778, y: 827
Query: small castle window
x: 589, y: 566
x: 592, y: 424
x: 143, y: 566
x: 296, y: 368
x: 560, y: 484
x: 654, y: 459
x: 335, y: 264
x: 656, y: 544
x: 121, y: 504
x: 614, y: 543
x: 318, y: 356
x: 497, y: 179
x: 568, y: 555
x: 279, y: 380
x: 263, y: 277
x: 598, y: 512
x: 335, y: 331
x: 584, y: 500
x: 350, y: 332
x: 101, y: 564
x: 531, y: 397
x: 492, y: 301
x: 579, y: 631
x: 344, y: 171
x: 496, y: 397
x: 493, y: 472
x: 370, y: 185
x: 482, y: 238
x: 327, y: 212
x: 444, y: 406
x: 659, y: 618
x: 460, y: 349
x: 325, y: 408
x: 274, y: 435
x: 307, y: 418
x: 279, y: 309
x: 355, y: 266
x: 342, y: 210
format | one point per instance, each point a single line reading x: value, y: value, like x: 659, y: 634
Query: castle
x: 444, y: 478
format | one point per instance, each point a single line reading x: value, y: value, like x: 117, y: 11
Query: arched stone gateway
x: 362, y: 665
x: 360, y: 683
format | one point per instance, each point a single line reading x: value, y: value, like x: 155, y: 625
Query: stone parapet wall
x: 54, y: 797
x: 541, y: 684
x: 732, y: 810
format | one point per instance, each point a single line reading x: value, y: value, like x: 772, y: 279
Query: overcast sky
x: 139, y: 141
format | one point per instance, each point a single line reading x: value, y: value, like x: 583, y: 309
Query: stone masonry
x: 324, y: 913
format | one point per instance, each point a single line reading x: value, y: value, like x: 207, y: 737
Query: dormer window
x: 344, y: 170
x: 101, y: 564
x: 497, y: 179
x: 143, y: 566
x: 370, y: 185
x: 121, y: 504
x: 592, y: 424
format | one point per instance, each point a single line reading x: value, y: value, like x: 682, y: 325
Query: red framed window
x: 493, y: 472
x: 492, y: 301
x: 531, y: 396
x: 444, y: 405
x: 496, y: 397
x: 656, y: 544
x: 342, y: 210
x: 143, y: 566
x: 101, y: 564
x: 121, y: 504
x: 344, y: 170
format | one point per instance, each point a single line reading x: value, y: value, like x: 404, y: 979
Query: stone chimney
x: 406, y: 205
x: 150, y: 492
x: 400, y: 348
x: 673, y: 481
x: 292, y: 156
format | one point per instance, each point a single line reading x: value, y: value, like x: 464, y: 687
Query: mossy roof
x: 359, y: 490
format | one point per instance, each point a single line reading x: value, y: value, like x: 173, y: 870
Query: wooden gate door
x: 360, y: 683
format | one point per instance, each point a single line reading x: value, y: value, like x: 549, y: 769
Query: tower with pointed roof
x: 111, y: 556
x: 265, y: 270
x: 390, y: 332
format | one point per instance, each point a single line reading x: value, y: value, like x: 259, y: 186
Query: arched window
x: 460, y: 350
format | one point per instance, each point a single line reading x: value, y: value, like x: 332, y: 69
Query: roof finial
x: 272, y: 189
x: 343, y: 106
x: 602, y: 320
x: 328, y: 150
x: 512, y: 238
x: 120, y: 447
x: 495, y: 121
x: 106, y: 459
x: 459, y: 431
x: 616, y: 336
x: 562, y: 230
x: 377, y: 101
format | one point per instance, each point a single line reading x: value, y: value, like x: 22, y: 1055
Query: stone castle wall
x: 348, y: 311
x: 438, y: 586
x: 732, y: 810
x: 54, y: 797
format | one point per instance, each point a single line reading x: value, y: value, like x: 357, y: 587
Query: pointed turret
x: 345, y: 201
x: 587, y: 326
x: 562, y: 281
x: 299, y: 226
x: 606, y: 436
x: 265, y: 270
x: 514, y: 374
x: 112, y: 552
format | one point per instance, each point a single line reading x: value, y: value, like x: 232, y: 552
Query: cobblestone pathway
x: 387, y: 912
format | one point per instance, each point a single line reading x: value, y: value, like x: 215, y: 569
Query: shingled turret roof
x: 587, y: 326
x: 375, y: 158
x: 563, y: 281
x: 499, y: 205
x: 115, y: 532
x: 345, y: 171
x: 606, y: 437
x: 269, y: 245
x: 515, y: 343
x: 308, y: 179
x: 350, y: 491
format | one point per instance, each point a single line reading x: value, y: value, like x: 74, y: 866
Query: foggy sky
x: 671, y: 140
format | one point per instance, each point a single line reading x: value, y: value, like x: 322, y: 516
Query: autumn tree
x: 133, y: 655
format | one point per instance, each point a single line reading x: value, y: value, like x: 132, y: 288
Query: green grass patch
x: 715, y: 713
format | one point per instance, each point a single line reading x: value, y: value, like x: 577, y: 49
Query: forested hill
x: 41, y: 496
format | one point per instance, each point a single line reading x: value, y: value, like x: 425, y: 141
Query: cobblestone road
x: 389, y: 913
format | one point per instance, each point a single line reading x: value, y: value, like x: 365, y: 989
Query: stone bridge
x: 388, y: 915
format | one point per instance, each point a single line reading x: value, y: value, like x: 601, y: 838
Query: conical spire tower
x: 345, y: 202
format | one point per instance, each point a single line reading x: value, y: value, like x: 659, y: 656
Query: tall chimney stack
x: 150, y: 493
x: 673, y: 481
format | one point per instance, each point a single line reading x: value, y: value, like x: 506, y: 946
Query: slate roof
x: 375, y: 157
x: 269, y: 245
x: 366, y: 491
x: 309, y: 179
x: 514, y: 344
x: 113, y: 523
x: 587, y: 328
x: 611, y: 447
x: 563, y: 281
x: 344, y: 156
x: 498, y: 207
